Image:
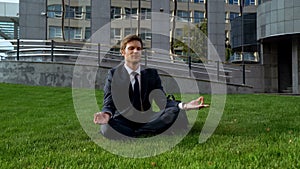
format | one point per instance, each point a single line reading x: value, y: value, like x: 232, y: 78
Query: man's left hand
x: 195, y: 104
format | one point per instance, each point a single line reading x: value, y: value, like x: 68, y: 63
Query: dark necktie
x: 136, y: 101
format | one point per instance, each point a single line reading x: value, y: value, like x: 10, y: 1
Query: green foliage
x: 228, y: 53
x: 39, y: 129
x: 196, y: 46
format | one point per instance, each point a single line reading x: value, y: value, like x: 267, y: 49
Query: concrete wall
x: 270, y: 63
x: 253, y: 78
x: 62, y: 74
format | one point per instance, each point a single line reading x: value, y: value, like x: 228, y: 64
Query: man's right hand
x: 101, y: 118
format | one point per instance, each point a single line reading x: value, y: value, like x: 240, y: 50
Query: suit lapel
x: 144, y: 83
x: 120, y: 80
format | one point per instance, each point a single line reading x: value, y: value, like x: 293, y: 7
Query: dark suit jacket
x: 116, y: 92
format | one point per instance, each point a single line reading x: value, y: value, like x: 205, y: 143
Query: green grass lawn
x: 40, y: 129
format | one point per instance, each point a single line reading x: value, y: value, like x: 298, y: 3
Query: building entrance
x: 285, y: 67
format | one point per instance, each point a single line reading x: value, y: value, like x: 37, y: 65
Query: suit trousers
x: 120, y: 127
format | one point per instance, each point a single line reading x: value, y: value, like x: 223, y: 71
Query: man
x: 128, y: 93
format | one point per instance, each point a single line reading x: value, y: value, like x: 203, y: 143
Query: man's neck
x: 132, y: 66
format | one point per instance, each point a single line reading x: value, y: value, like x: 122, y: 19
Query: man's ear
x: 122, y: 52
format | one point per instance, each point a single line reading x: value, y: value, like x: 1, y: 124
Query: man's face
x: 132, y: 52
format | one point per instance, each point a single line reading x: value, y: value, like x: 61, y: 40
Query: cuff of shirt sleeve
x: 180, y: 105
x: 109, y: 114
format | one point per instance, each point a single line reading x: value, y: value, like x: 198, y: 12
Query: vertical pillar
x: 32, y: 21
x: 216, y: 29
x: 100, y: 22
x: 295, y: 65
x: 160, y: 26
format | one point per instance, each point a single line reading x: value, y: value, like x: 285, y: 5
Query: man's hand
x: 101, y: 118
x: 195, y: 104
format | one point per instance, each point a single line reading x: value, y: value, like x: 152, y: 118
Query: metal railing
x: 103, y: 55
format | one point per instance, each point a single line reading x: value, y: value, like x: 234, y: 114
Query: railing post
x: 99, y: 54
x: 52, y: 50
x: 146, y: 58
x: 244, y: 73
x: 18, y: 49
x: 190, y: 64
x: 218, y: 70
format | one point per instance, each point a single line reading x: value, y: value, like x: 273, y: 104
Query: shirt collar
x: 129, y: 70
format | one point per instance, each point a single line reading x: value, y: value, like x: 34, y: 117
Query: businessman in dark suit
x: 128, y: 93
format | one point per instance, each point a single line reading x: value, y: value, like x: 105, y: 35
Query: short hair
x: 130, y: 38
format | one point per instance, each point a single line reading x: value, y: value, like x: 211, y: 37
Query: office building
x: 78, y: 20
x: 278, y: 31
x: 9, y: 20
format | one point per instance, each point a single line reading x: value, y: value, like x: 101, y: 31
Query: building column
x: 100, y: 22
x: 160, y: 26
x: 216, y: 27
x: 32, y: 19
x: 295, y: 65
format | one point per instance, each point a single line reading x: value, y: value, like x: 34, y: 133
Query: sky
x: 14, y: 1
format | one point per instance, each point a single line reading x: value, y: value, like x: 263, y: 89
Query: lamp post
x: 242, y: 39
x: 139, y: 18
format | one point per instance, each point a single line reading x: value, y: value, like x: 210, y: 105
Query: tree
x: 172, y: 32
x: 193, y: 42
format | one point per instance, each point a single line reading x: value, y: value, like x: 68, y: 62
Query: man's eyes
x: 132, y: 48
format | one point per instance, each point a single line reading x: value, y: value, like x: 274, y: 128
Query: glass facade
x: 249, y: 2
x: 127, y: 17
x: 234, y: 2
x: 233, y: 15
x: 198, y: 1
x: 68, y: 20
x: 183, y: 15
x: 198, y: 16
x: 9, y: 20
x: 8, y: 31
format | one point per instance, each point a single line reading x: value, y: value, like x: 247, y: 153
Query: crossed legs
x: 120, y: 127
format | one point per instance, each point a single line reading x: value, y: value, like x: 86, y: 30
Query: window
x: 55, y: 32
x: 77, y: 33
x: 131, y: 12
x: 183, y: 0
x: 235, y: 2
x: 145, y: 34
x: 183, y: 15
x: 129, y: 31
x: 54, y: 11
x: 233, y: 15
x: 249, y: 2
x: 77, y: 12
x: 115, y: 12
x: 198, y: 1
x: 73, y: 33
x: 88, y: 12
x: 74, y: 12
x: 198, y: 16
x: 87, y: 34
x: 115, y: 33
x: 145, y: 13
